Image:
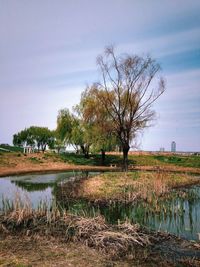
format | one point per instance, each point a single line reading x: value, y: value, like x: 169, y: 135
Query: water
x: 36, y: 188
x: 179, y: 214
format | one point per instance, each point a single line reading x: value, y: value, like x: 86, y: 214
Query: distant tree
x: 65, y: 122
x: 73, y: 131
x: 34, y: 136
x: 57, y: 143
x: 127, y: 91
x: 23, y: 138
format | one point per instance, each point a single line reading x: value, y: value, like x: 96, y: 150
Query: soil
x: 27, y: 251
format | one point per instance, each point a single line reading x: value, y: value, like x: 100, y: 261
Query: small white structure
x: 28, y: 150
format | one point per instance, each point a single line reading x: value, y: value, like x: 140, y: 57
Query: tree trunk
x: 103, y: 157
x: 125, y: 158
x: 43, y: 148
x: 87, y: 154
x: 83, y: 149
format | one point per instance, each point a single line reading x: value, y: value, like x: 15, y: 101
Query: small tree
x: 57, y: 143
x: 99, y: 123
x: 127, y: 92
x: 74, y: 131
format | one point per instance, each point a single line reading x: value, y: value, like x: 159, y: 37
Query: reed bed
x: 116, y: 240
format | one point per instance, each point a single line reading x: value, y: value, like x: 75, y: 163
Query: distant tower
x: 173, y: 146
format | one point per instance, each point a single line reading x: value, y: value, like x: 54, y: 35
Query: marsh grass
x: 133, y: 186
x: 19, y: 217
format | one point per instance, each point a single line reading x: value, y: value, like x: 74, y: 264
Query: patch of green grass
x: 137, y: 160
x: 35, y: 160
x: 144, y: 160
x: 11, y: 148
x: 93, y: 160
x: 184, y: 161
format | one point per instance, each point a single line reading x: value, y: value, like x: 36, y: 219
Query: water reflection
x: 178, y: 214
x: 31, y: 187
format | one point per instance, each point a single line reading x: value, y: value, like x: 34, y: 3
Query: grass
x: 55, y: 238
x: 35, y: 160
x: 93, y: 160
x: 25, y: 251
x: 137, y: 160
x: 132, y: 186
x: 184, y: 161
x: 16, y: 158
x: 11, y: 148
x: 117, y: 241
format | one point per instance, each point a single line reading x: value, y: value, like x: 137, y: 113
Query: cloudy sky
x: 48, y: 54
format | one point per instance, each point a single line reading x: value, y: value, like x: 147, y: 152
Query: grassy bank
x: 135, y: 159
x: 131, y: 186
x: 14, y: 158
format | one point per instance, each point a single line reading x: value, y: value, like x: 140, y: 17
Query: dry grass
x: 94, y: 232
x: 38, y: 251
x: 55, y: 238
x: 132, y: 186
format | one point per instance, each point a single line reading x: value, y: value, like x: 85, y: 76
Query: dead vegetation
x: 128, y: 242
x: 28, y: 251
x: 94, y: 232
x: 128, y: 187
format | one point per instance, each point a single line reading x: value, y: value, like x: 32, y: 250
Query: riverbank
x: 18, y: 163
x: 57, y: 239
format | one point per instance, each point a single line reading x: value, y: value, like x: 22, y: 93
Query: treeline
x: 36, y: 137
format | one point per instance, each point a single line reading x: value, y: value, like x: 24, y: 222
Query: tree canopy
x: 35, y: 136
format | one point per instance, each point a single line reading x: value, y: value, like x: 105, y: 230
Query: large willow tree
x: 129, y: 86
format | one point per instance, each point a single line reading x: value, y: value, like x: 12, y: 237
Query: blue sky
x: 48, y: 53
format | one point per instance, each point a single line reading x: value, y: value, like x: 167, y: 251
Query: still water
x: 179, y: 214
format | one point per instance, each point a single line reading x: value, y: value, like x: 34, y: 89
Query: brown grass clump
x: 121, y: 239
x: 116, y: 240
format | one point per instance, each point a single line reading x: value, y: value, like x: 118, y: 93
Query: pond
x: 178, y: 214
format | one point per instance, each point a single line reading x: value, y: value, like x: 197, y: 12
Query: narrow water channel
x: 179, y: 214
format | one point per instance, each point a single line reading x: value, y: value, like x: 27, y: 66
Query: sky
x: 48, y: 53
